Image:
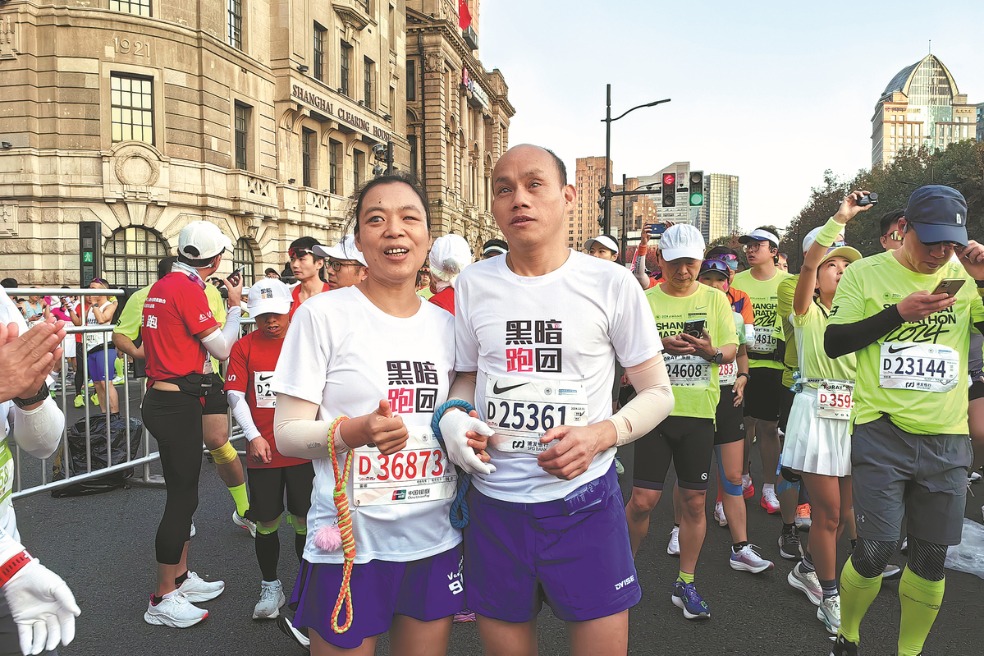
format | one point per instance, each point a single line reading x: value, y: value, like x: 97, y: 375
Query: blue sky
x: 774, y: 92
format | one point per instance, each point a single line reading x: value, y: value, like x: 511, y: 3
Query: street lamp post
x: 608, y: 120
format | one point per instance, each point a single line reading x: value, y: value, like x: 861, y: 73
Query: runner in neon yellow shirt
x: 764, y: 393
x: 910, y: 445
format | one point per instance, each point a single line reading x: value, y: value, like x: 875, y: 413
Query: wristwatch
x: 37, y: 398
x: 718, y: 357
x: 747, y: 377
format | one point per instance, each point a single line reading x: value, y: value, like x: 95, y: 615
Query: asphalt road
x: 103, y: 546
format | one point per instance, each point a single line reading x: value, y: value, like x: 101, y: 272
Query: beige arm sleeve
x: 653, y: 402
x: 463, y: 386
x: 298, y: 431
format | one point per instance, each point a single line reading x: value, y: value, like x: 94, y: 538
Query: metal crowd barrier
x: 31, y: 475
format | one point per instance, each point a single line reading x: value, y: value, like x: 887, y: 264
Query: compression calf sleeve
x: 920, y: 600
x: 267, y: 553
x: 856, y: 593
x: 241, y: 498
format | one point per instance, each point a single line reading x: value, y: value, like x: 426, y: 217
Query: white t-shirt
x: 345, y: 354
x: 544, y: 348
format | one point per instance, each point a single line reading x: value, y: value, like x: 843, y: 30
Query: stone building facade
x: 457, y: 118
x: 262, y: 116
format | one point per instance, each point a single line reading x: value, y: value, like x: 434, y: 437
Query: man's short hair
x: 306, y: 242
x: 165, y: 265
x: 197, y: 264
x: 561, y: 167
x: 271, y: 270
x: 890, y: 218
x: 8, y: 283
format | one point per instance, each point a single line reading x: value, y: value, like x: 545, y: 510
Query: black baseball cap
x: 938, y: 213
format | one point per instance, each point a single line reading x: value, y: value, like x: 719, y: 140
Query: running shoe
x: 844, y: 648
x: 748, y: 560
x: 719, y: 514
x: 464, y: 616
x: 685, y: 597
x: 79, y: 401
x: 196, y: 589
x: 769, y: 501
x: 95, y: 399
x: 118, y: 380
x: 673, y: 547
x: 174, y: 610
x: 747, y: 487
x: 904, y: 549
x: 789, y: 545
x: 803, y: 520
x: 974, y: 476
x: 829, y: 612
x: 243, y: 523
x: 297, y: 635
x: 271, y: 601
x: 807, y: 583
x: 891, y: 572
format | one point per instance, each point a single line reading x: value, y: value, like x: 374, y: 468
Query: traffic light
x: 669, y: 190
x: 90, y: 251
x: 601, y: 198
x: 696, y: 188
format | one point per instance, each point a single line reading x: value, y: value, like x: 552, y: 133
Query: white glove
x: 454, y: 424
x: 43, y: 608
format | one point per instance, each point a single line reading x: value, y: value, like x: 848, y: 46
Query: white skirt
x: 814, y: 445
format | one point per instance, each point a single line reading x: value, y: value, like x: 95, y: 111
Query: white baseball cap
x: 682, y: 240
x: 604, y: 241
x: 449, y: 255
x: 343, y: 250
x: 201, y: 240
x: 268, y: 296
x: 811, y: 237
x: 759, y: 235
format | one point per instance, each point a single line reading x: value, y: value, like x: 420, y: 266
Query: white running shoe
x: 285, y: 625
x: 243, y: 523
x: 807, y: 583
x: 770, y: 502
x: 719, y: 514
x: 271, y: 600
x: 175, y: 611
x: 196, y: 589
x: 748, y: 560
x: 673, y: 548
x: 829, y: 612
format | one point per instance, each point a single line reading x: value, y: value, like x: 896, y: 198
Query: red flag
x: 464, y: 16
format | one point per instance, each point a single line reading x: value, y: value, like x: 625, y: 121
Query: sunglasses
x: 716, y: 265
x: 731, y: 261
x: 298, y: 253
x: 894, y: 235
x: 336, y: 265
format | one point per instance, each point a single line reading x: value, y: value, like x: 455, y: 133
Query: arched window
x: 242, y: 256
x: 131, y: 256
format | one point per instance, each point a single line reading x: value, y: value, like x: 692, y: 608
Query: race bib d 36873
x: 419, y: 472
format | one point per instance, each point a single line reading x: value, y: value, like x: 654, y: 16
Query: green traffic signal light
x: 696, y: 199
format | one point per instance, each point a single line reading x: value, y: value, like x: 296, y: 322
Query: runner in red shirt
x: 179, y: 333
x: 251, y: 366
x: 308, y: 268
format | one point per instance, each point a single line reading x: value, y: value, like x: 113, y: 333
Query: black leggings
x: 175, y: 420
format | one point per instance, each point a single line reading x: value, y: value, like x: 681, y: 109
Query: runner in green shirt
x: 764, y: 394
x: 910, y: 445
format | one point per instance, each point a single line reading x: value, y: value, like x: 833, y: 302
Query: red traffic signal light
x: 669, y: 190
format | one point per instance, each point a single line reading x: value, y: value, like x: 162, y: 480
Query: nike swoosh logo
x: 262, y: 378
x: 892, y: 349
x: 501, y: 390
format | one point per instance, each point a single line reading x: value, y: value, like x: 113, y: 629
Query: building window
x: 242, y: 135
x: 364, y: 4
x: 319, y: 52
x: 411, y: 79
x: 132, y: 108
x: 344, y: 64
x: 136, y: 7
x: 131, y: 257
x: 309, y: 151
x: 358, y: 168
x: 412, y: 140
x: 334, y: 157
x: 242, y: 258
x: 367, y: 85
x: 391, y: 23
x: 236, y: 23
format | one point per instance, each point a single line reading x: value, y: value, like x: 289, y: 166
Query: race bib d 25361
x: 419, y: 472
x: 520, y: 411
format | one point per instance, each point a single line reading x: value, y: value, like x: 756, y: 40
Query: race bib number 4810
x: 922, y: 367
x: 419, y: 472
x: 520, y: 411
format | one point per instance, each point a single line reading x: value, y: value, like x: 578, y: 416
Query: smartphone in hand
x: 949, y: 286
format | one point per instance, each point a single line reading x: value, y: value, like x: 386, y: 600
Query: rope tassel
x: 345, y: 533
